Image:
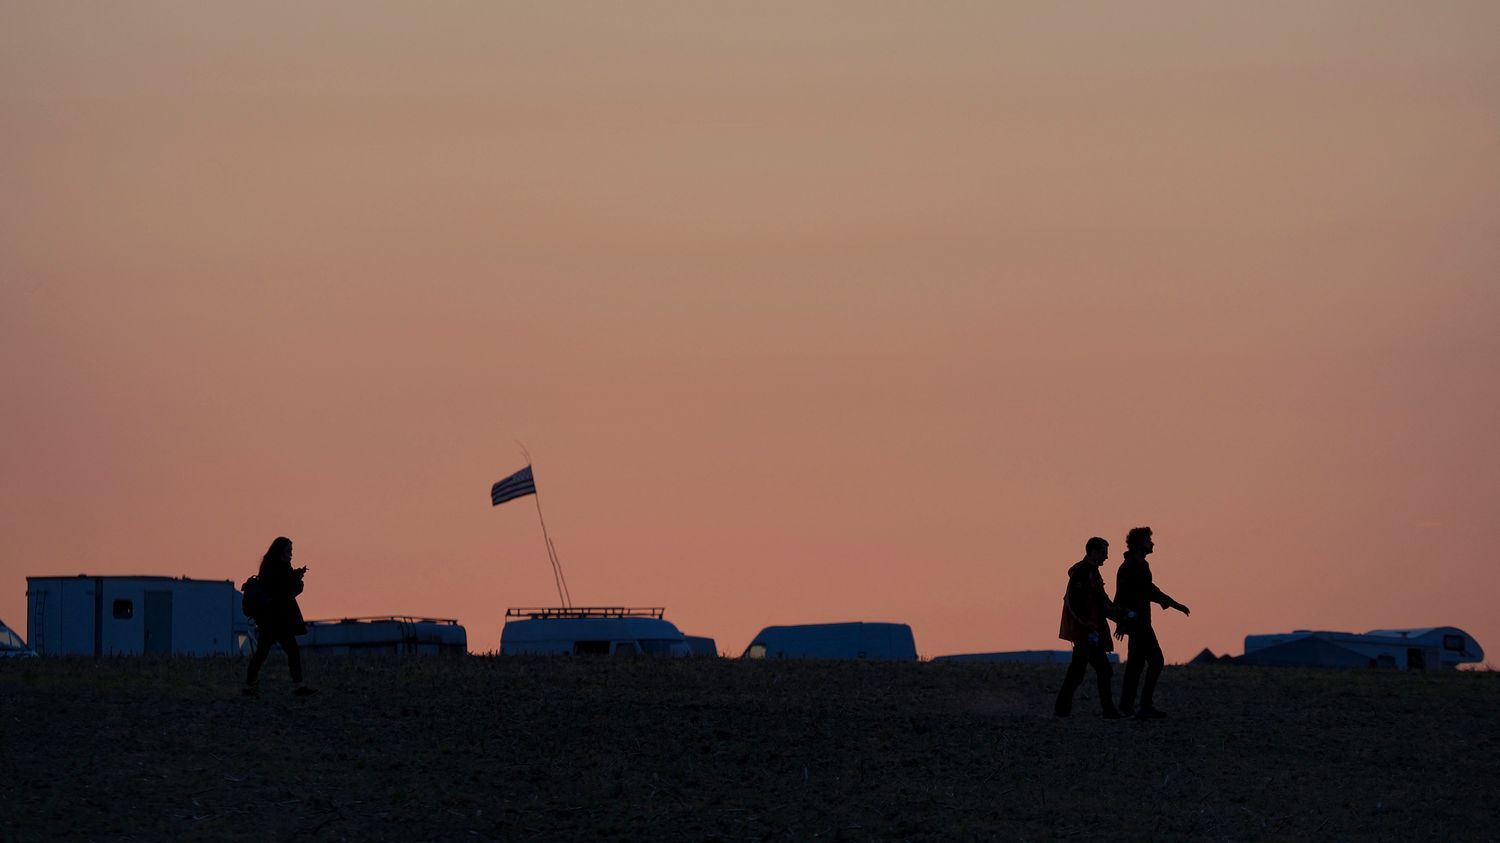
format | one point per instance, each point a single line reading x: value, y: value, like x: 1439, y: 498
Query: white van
x: 593, y: 630
x: 856, y: 640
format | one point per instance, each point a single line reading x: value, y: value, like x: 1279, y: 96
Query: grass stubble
x: 695, y: 749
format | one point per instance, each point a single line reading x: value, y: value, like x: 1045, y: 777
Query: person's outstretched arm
x: 1164, y: 600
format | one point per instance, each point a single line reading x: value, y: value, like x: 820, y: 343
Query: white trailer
x: 593, y: 630
x: 856, y: 640
x: 135, y: 615
x: 385, y: 635
x: 1425, y: 648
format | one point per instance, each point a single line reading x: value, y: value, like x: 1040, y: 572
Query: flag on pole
x: 517, y: 485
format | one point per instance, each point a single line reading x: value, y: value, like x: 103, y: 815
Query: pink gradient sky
x: 807, y: 312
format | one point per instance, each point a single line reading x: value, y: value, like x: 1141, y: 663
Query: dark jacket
x: 1086, y: 607
x: 282, y: 615
x: 1134, y: 591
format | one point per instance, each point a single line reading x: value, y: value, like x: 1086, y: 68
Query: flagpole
x: 558, y: 579
x: 557, y: 575
x: 567, y: 592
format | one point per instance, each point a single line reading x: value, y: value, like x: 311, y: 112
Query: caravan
x: 596, y: 630
x: 135, y: 615
x: 385, y: 635
x: 1427, y: 648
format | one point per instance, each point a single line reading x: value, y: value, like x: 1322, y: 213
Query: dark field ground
x: 577, y: 748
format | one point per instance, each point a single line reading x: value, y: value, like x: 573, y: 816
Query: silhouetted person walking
x: 278, y: 618
x: 1135, y: 591
x: 1084, y: 622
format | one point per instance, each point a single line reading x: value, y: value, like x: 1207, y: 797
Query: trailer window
x: 625, y: 648
x: 590, y: 648
x: 124, y: 609
x: 1454, y: 643
x: 756, y: 651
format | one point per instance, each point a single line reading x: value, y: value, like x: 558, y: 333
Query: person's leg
x: 294, y: 661
x: 263, y: 645
x: 293, y: 656
x: 1104, y: 672
x: 1154, y: 661
x: 1071, y: 681
x: 1133, y: 664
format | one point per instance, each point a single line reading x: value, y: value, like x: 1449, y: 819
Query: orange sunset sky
x: 806, y: 311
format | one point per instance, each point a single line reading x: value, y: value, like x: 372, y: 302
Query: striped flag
x: 517, y: 485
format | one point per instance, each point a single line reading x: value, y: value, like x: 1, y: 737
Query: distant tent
x: 1208, y: 657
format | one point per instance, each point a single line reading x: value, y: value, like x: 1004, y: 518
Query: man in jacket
x: 1134, y: 591
x: 1084, y: 623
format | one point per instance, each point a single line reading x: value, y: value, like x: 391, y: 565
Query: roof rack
x: 399, y: 618
x: 575, y: 612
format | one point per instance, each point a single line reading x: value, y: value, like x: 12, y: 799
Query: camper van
x: 385, y: 635
x: 135, y: 615
x: 1021, y: 657
x: 11, y: 644
x: 1426, y: 648
x: 857, y: 640
x: 596, y: 630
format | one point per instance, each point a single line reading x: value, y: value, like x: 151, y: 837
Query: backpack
x: 255, y: 600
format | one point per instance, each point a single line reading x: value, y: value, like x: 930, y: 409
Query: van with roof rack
x: 388, y: 635
x: 594, y: 630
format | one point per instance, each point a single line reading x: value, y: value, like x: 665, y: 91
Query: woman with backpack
x: 271, y: 601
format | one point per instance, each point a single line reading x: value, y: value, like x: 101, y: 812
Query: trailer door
x: 158, y: 623
x: 80, y: 616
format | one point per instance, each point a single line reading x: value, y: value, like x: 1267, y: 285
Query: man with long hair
x: 1135, y: 591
